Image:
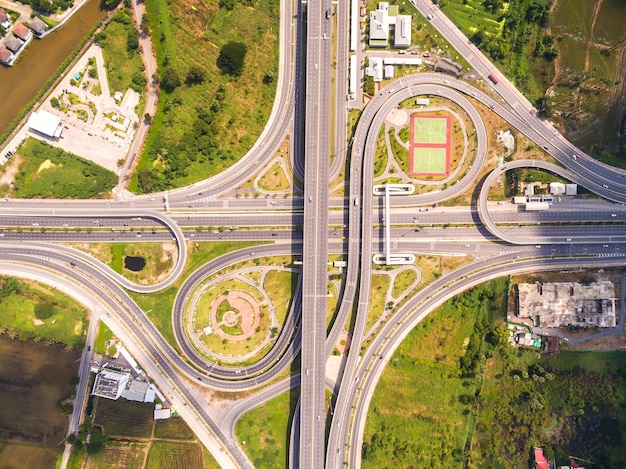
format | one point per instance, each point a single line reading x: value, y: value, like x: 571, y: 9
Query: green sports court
x: 430, y: 145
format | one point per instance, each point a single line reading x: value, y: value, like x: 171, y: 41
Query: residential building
x: 5, y: 19
x: 38, y: 26
x: 541, y: 462
x: 13, y: 44
x: 6, y: 56
x: 21, y: 31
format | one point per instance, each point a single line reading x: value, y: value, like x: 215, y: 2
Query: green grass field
x: 429, y: 160
x: 265, y: 431
x: 427, y: 130
x: 610, y: 21
x: 174, y: 428
x: 67, y: 324
x: 104, y: 335
x: 280, y: 286
x: 50, y: 172
x: 122, y: 418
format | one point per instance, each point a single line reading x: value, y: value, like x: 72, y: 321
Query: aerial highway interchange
x: 313, y: 226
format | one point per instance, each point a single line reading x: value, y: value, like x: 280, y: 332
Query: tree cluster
x: 198, y: 145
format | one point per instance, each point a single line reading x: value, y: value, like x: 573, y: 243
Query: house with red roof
x: 6, y: 56
x: 541, y: 462
x: 21, y: 31
x: 5, y: 19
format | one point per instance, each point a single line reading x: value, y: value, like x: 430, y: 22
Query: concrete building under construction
x: 567, y: 304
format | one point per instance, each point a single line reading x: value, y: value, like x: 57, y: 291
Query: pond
x: 136, y: 264
x: 19, y: 84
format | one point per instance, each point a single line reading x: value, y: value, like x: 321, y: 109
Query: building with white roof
x: 45, y: 123
x: 402, y: 38
x: 110, y: 384
x: 375, y: 70
x: 382, y: 20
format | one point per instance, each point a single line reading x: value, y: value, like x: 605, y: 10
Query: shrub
x: 43, y: 311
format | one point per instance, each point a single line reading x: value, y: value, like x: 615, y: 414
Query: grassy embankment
x: 265, y: 430
x: 48, y: 172
x: 456, y: 393
x: 203, y: 126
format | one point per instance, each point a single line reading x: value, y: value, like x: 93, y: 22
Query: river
x: 19, y: 84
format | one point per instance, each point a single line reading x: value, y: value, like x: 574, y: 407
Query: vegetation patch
x: 122, y: 58
x: 378, y: 295
x: 49, y: 172
x: 265, y: 430
x: 176, y: 455
x: 31, y: 310
x: 280, y: 286
x: 124, y: 418
x: 206, y: 121
x: 173, y: 428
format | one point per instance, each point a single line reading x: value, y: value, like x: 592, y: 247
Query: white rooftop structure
x: 45, y: 123
x: 161, y: 414
x: 403, y: 31
x: 571, y: 189
x: 131, y: 361
x: 375, y: 69
x: 389, y: 72
x: 136, y: 391
x: 422, y: 101
x: 557, y: 188
x: 379, y: 27
x: 110, y: 384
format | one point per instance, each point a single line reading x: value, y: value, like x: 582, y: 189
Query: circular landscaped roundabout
x: 236, y: 317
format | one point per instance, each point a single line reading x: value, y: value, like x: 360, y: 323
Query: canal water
x: 19, y: 84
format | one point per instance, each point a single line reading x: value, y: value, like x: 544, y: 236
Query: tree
x: 145, y: 24
x: 170, y: 79
x: 231, y: 58
x: 195, y: 74
x: 132, y: 41
x: 54, y: 102
x: 109, y: 4
x: 147, y: 118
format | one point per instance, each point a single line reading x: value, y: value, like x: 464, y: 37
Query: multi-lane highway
x: 497, y: 238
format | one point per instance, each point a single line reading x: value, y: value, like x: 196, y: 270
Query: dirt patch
x: 10, y: 170
x: 246, y: 313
